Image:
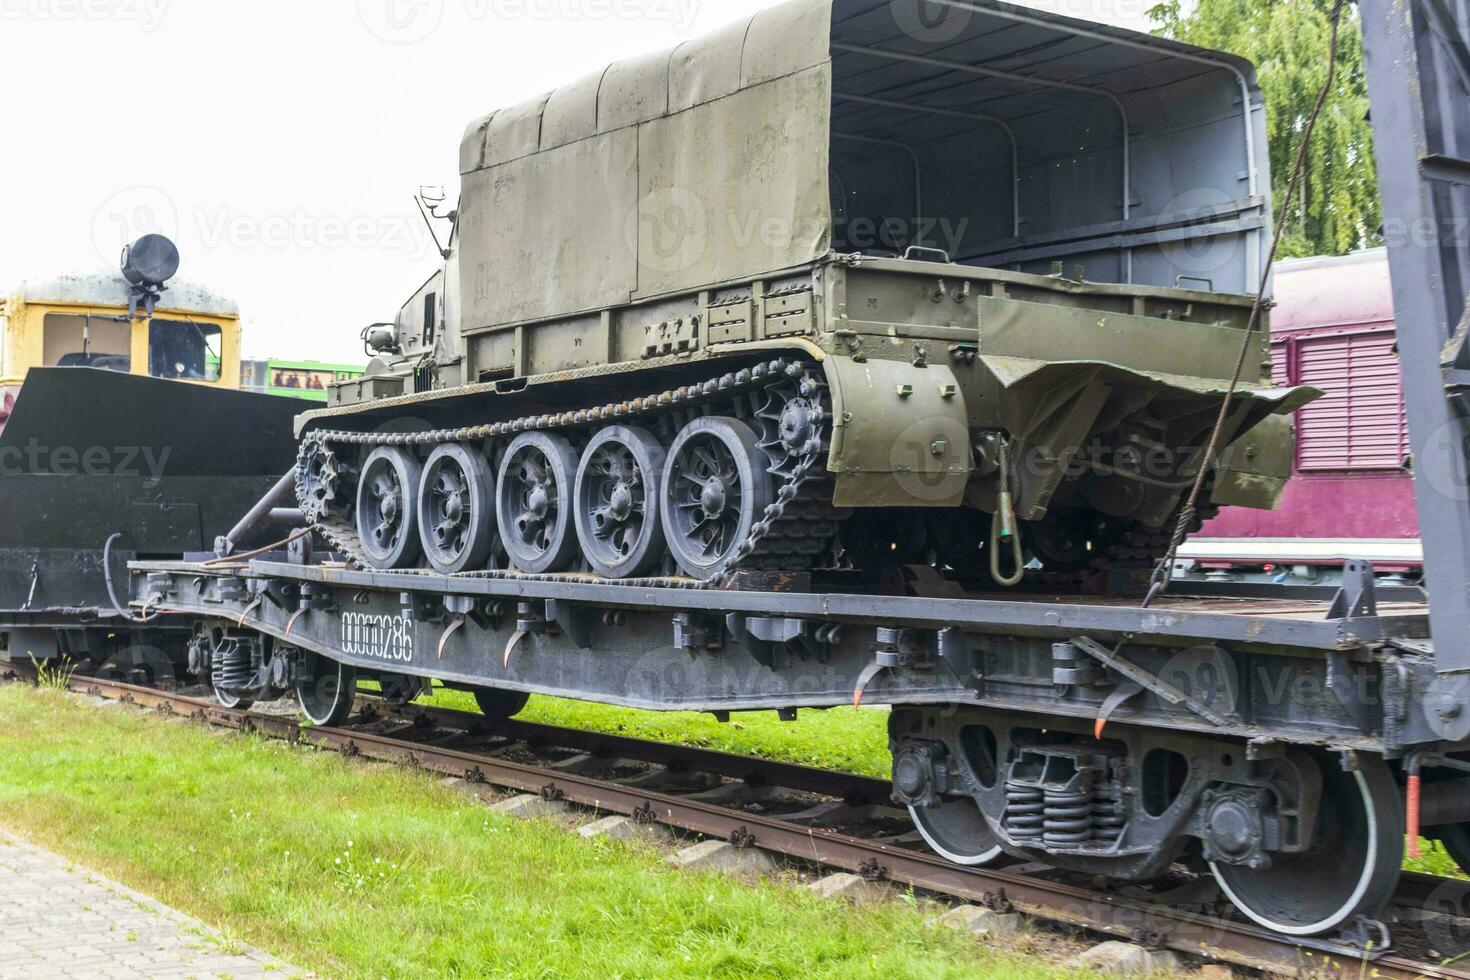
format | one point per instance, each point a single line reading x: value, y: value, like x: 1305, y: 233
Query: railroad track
x: 819, y: 817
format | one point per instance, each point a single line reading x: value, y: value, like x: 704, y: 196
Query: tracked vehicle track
x: 785, y: 400
x: 796, y: 528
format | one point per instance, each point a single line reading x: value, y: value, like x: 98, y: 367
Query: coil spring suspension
x: 1068, y: 817
x: 233, y: 665
x: 1107, y: 813
x: 1087, y: 811
x: 1024, y: 811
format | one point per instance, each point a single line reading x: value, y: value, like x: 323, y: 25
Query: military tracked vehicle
x: 840, y: 286
x: 1283, y: 741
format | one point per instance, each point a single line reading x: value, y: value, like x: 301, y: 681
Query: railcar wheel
x: 617, y: 501
x: 456, y: 515
x: 957, y: 831
x: 1350, y: 870
x: 497, y: 704
x: 228, y: 700
x: 326, y: 689
x: 715, y: 489
x: 533, y: 501
x: 387, y: 520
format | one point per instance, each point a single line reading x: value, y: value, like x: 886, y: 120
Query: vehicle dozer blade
x: 87, y: 453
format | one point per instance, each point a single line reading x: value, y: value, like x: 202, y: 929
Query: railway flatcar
x: 1351, y: 495
x: 669, y: 431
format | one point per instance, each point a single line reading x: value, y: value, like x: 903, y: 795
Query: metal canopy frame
x: 1088, y: 90
x: 980, y: 117
x: 1142, y: 44
x: 880, y: 63
x: 905, y: 148
x: 1418, y: 58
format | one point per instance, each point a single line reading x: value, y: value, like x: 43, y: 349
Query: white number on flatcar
x: 381, y: 637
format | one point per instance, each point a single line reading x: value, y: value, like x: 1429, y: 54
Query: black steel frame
x: 1355, y: 680
x: 1418, y: 57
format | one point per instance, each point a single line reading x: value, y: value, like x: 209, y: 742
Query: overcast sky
x: 279, y: 142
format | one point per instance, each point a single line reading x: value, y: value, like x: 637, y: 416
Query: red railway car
x: 1352, y: 494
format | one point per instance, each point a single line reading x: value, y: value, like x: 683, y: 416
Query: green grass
x: 838, y: 738
x: 355, y: 870
x: 1433, y: 860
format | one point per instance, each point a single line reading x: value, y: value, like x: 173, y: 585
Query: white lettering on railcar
x: 380, y: 637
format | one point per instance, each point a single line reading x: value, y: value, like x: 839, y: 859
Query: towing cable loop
x: 1003, y: 526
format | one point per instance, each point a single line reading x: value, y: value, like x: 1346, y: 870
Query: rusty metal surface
x: 749, y: 769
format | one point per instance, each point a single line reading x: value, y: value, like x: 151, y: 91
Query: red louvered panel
x: 1359, y: 424
x: 1280, y: 369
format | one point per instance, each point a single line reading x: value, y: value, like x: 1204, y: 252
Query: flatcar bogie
x: 1297, y: 841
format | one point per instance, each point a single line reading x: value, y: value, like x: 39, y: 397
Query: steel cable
x: 1159, y: 583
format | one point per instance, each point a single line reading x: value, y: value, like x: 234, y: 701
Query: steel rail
x: 1057, y: 902
x: 850, y: 787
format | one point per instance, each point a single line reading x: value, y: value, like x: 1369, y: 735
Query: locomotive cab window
x: 79, y: 340
x: 184, y: 350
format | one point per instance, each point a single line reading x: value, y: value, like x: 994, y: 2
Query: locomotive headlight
x: 380, y: 338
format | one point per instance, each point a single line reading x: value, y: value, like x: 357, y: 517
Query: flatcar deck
x: 1255, y: 669
x: 1290, y: 622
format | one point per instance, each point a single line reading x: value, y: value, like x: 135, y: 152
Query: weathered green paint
x: 569, y: 279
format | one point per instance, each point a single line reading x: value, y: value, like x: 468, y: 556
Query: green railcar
x: 295, y: 379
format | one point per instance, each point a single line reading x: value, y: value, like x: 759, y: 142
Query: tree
x: 1336, y: 207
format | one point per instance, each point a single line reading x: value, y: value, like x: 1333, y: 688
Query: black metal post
x: 1418, y: 58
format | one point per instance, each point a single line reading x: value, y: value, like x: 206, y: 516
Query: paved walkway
x: 59, y: 920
